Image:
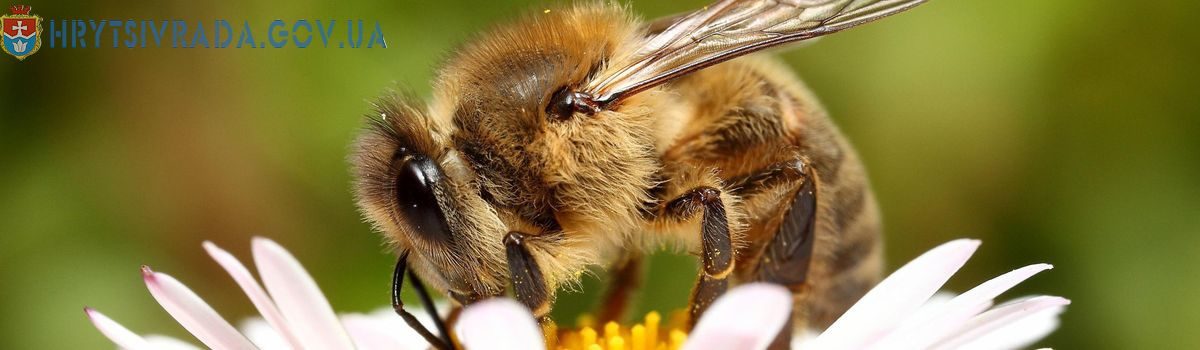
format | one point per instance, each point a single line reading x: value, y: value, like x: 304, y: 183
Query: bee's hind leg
x: 716, y: 245
x: 786, y: 258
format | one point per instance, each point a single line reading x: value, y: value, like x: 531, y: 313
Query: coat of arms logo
x: 21, y: 32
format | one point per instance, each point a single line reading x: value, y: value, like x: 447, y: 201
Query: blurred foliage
x: 1058, y: 131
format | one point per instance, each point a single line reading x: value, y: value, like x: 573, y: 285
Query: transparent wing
x: 728, y: 29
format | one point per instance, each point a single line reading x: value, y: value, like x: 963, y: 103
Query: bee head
x: 505, y: 146
x: 420, y: 195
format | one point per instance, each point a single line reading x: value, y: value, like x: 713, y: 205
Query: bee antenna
x: 398, y: 306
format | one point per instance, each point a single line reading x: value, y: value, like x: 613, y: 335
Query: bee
x: 581, y: 137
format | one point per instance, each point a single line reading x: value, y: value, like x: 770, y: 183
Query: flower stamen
x: 644, y: 335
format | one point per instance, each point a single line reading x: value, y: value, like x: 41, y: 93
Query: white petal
x: 897, y: 297
x: 162, y: 342
x: 386, y: 317
x: 264, y: 336
x: 920, y: 332
x: 933, y: 306
x: 373, y: 334
x: 257, y: 295
x: 805, y: 339
x: 193, y: 313
x: 116, y: 332
x: 499, y: 324
x: 1010, y: 326
x: 1019, y: 334
x: 309, y: 315
x: 747, y: 317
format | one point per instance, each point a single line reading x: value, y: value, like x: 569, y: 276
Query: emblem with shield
x: 21, y: 32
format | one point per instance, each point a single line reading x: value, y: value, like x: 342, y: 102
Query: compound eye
x: 417, y: 201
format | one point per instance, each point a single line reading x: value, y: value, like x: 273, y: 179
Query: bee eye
x: 416, y: 200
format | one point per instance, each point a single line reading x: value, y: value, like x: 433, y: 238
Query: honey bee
x: 581, y: 136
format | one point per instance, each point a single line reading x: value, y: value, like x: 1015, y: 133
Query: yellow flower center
x: 650, y: 334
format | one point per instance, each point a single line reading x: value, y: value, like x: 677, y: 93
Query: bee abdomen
x: 852, y: 255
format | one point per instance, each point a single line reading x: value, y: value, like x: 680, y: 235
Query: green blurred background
x: 1064, y: 131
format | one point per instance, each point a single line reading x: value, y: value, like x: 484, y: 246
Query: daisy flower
x: 294, y: 312
x: 902, y: 312
x: 905, y: 311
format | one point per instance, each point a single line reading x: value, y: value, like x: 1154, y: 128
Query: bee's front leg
x: 441, y: 343
x: 529, y: 286
x: 716, y: 245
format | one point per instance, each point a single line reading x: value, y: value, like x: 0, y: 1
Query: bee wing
x: 728, y: 29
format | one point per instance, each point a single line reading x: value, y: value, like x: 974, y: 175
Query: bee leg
x: 398, y: 306
x: 706, y: 291
x: 430, y: 307
x: 529, y: 286
x: 716, y: 245
x: 786, y: 258
x: 549, y: 330
x: 453, y: 314
x: 624, y: 279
